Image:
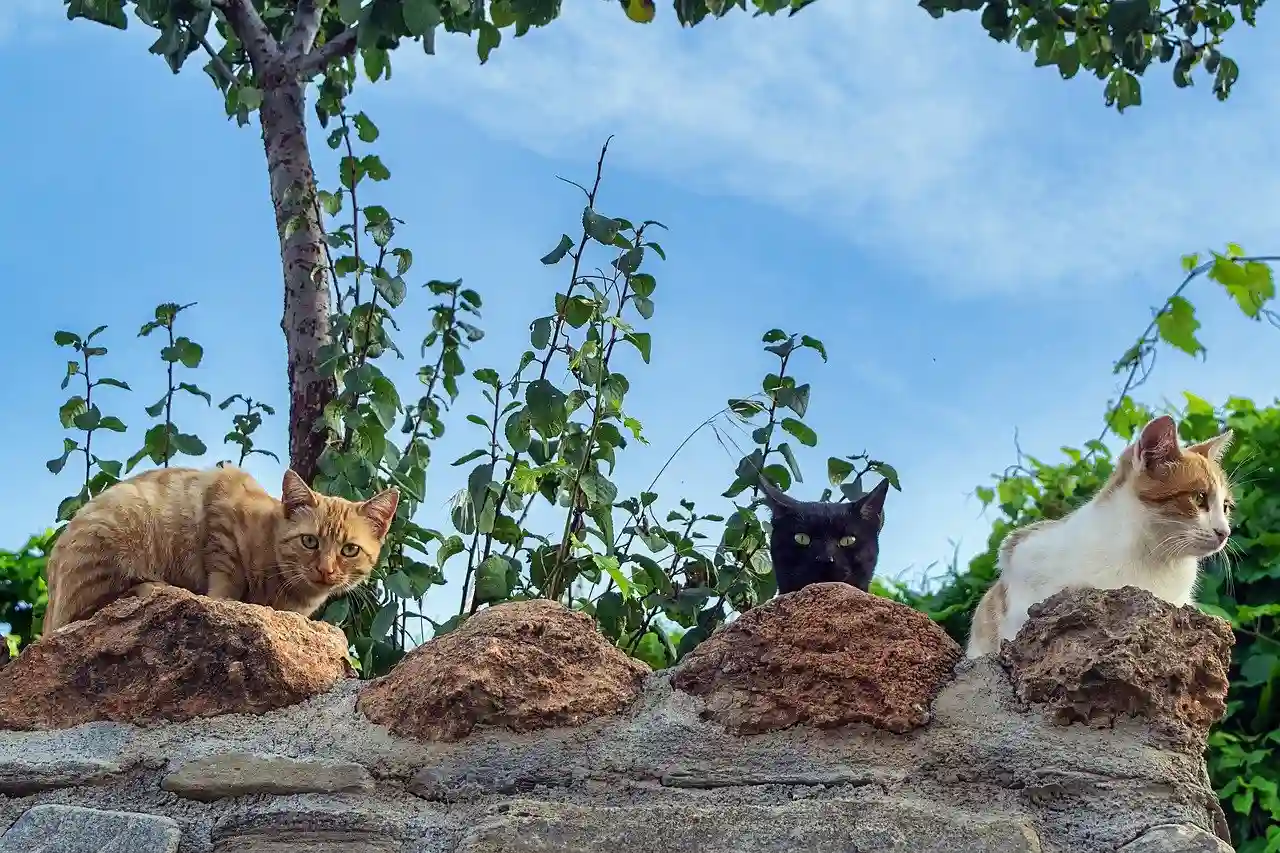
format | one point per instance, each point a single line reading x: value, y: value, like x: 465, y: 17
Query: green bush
x: 23, y: 593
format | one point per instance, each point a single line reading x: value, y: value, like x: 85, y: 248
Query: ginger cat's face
x: 329, y: 542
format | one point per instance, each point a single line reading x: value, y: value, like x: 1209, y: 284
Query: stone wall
x: 826, y: 720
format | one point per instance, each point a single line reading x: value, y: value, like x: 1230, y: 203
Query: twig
x: 318, y: 60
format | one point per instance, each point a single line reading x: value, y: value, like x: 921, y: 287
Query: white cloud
x: 919, y: 141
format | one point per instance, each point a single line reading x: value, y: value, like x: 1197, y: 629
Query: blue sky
x: 974, y: 239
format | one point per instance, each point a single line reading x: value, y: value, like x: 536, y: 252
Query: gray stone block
x: 20, y: 777
x: 1176, y: 838
x: 70, y: 829
x: 828, y: 826
x: 235, y: 774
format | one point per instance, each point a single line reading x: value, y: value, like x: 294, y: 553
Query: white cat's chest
x: 1094, y: 547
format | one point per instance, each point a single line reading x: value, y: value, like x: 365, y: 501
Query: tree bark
x: 306, y: 271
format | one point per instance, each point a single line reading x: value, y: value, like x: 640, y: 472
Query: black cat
x: 817, y: 541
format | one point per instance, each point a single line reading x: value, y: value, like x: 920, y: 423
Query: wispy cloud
x: 918, y: 140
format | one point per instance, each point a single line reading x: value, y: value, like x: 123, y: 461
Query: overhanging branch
x: 306, y: 23
x: 318, y: 60
x: 252, y: 31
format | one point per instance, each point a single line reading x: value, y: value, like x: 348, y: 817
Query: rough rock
x: 71, y: 829
x: 22, y: 776
x: 235, y: 774
x: 524, y: 665
x: 1094, y: 656
x: 170, y: 656
x: 811, y: 826
x: 1176, y: 838
x: 826, y: 655
x: 311, y: 842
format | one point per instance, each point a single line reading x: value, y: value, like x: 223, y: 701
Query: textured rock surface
x: 826, y: 655
x: 1176, y: 838
x: 26, y: 775
x: 524, y: 665
x: 170, y: 656
x: 68, y: 829
x: 814, y: 827
x: 1095, y: 656
x: 234, y: 774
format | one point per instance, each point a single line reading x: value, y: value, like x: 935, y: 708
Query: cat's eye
x: 309, y: 541
x: 1200, y: 499
x: 351, y: 549
x: 846, y: 541
x: 802, y: 538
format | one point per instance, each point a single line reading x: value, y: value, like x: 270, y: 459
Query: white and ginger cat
x: 1163, y: 510
x: 214, y: 531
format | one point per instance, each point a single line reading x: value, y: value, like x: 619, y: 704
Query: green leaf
x: 475, y: 454
x: 838, y: 470
x: 385, y: 618
x: 540, y: 333
x: 644, y: 307
x: 195, y: 390
x: 420, y: 16
x: 491, y: 580
x: 557, y: 254
x: 114, y: 383
x: 516, y: 430
x: 884, y: 469
x: 489, y: 38
x: 56, y: 464
x: 609, y: 565
x: 399, y: 585
x: 814, y: 344
x: 188, y: 444
x: 597, y: 489
x: 249, y: 97
x: 600, y: 228
x: 69, y: 410
x: 65, y: 339
x: 546, y: 407
x: 1177, y: 326
x: 337, y: 611
x: 801, y: 431
x: 785, y: 449
x: 642, y: 341
x: 112, y: 423
x: 392, y: 290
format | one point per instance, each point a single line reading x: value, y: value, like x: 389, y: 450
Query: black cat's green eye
x: 802, y: 538
x: 309, y: 541
x: 350, y: 549
x: 847, y: 541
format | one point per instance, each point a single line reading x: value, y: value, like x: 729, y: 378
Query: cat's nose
x: 1222, y: 533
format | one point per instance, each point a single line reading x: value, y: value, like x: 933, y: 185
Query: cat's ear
x: 1215, y: 448
x: 870, y: 506
x: 775, y: 497
x: 295, y: 494
x: 381, y: 509
x: 1158, y: 444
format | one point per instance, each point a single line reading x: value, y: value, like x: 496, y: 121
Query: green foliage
x: 23, y: 593
x: 164, y: 441
x: 1117, y: 41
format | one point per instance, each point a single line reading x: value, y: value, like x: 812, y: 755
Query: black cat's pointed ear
x: 871, y: 505
x: 775, y: 497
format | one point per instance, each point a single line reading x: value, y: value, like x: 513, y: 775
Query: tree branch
x: 252, y: 31
x: 306, y: 23
x: 318, y: 60
x: 220, y: 66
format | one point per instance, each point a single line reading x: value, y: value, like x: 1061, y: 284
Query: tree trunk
x: 306, y: 271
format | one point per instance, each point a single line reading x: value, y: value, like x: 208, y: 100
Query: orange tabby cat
x: 214, y: 531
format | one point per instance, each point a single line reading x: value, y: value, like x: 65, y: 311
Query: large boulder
x: 826, y: 655
x: 523, y: 665
x: 1096, y: 656
x: 172, y: 655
